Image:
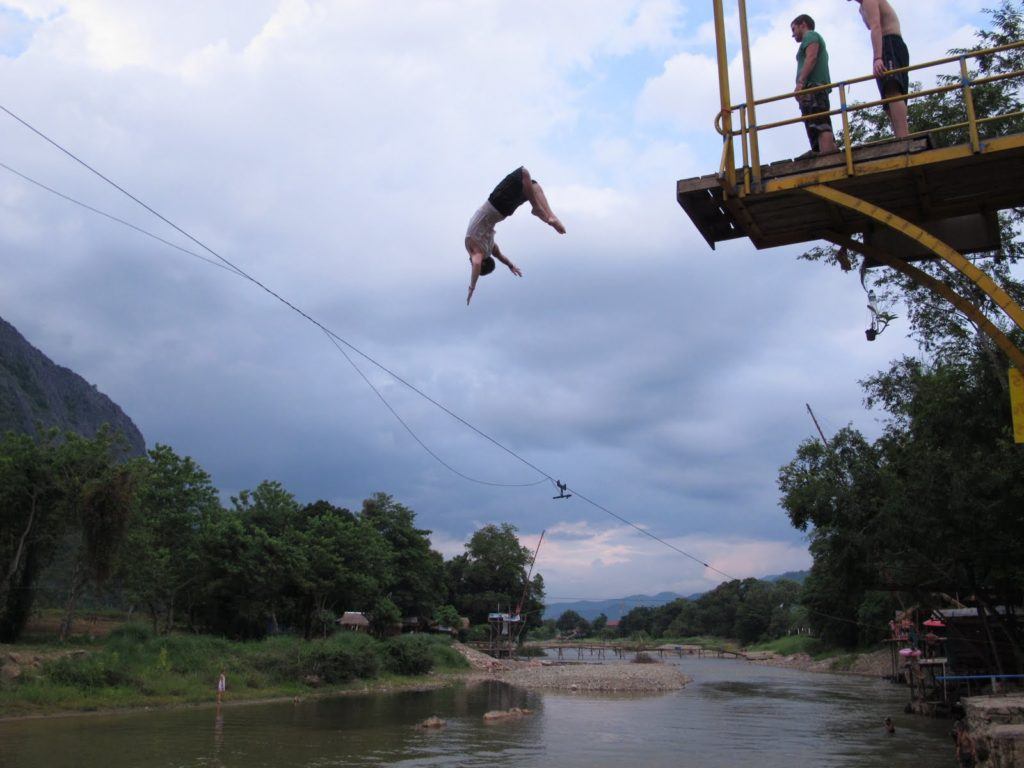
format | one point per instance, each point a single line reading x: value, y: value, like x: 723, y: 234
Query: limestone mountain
x: 35, y: 390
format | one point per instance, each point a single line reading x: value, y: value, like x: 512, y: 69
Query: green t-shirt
x: 819, y: 75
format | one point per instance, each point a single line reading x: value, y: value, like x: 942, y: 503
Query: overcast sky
x: 335, y: 151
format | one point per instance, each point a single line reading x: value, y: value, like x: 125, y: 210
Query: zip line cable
x: 268, y: 290
x: 338, y: 340
x: 113, y: 218
x: 645, y: 532
x: 415, y: 437
x: 236, y: 272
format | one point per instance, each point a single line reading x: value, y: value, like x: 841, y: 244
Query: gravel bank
x: 609, y: 678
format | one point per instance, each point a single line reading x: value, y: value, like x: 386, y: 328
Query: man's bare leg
x: 898, y: 115
x: 539, y: 203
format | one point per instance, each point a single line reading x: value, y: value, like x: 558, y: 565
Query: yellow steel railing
x: 748, y: 131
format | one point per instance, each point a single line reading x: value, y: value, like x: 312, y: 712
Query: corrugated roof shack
x: 980, y: 644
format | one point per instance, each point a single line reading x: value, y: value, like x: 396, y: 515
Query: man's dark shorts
x: 509, y: 194
x: 894, y: 56
x: 812, y: 104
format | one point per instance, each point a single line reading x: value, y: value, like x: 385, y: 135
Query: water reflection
x: 733, y: 714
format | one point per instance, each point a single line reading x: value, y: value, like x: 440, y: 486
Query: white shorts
x: 481, y: 227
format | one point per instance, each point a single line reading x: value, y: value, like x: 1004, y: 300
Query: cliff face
x: 33, y: 389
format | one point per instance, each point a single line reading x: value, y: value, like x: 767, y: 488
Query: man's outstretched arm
x: 475, y: 260
x: 496, y: 252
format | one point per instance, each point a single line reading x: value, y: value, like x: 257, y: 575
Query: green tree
x: 686, y: 622
x: 55, y: 488
x: 492, y: 574
x: 599, y: 624
x: 342, y: 563
x: 447, y: 616
x: 417, y: 585
x: 570, y: 621
x: 835, y: 494
x: 162, y: 563
x: 932, y: 506
x: 384, y: 616
x: 639, y: 619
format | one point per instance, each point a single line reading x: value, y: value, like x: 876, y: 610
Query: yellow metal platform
x: 928, y: 187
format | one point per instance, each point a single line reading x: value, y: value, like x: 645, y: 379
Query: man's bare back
x: 890, y: 22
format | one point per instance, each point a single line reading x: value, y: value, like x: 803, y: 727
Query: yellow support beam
x: 972, y: 312
x: 1002, y: 299
x: 1017, y: 403
x: 725, y: 115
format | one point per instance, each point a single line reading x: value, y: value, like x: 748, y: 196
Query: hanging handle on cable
x: 562, y: 488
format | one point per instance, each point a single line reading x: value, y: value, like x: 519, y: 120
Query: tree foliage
x: 55, y: 487
x: 750, y: 610
x: 492, y: 574
x: 933, y: 507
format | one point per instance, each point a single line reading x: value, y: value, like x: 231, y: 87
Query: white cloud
x: 336, y: 151
x: 581, y: 559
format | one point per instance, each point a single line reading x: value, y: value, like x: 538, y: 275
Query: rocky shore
x: 620, y: 677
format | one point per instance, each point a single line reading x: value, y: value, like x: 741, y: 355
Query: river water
x: 733, y: 714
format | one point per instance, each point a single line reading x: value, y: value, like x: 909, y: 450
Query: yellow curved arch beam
x: 929, y: 241
x: 936, y: 286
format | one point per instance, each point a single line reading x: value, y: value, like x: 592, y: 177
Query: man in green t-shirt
x: 812, y: 70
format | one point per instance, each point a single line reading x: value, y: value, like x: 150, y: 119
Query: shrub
x: 88, y: 673
x: 409, y: 655
x: 644, y: 658
x: 340, y: 659
x: 446, y: 657
x: 134, y: 632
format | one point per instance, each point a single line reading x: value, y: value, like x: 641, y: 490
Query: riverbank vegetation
x: 260, y: 585
x: 133, y: 667
x: 150, y: 536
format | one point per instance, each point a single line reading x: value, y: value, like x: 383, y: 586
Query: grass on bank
x: 133, y: 667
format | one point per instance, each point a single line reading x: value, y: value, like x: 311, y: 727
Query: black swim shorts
x: 811, y: 104
x: 894, y: 56
x: 508, y: 195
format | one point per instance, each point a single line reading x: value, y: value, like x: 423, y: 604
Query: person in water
x: 890, y: 728
x: 511, y: 192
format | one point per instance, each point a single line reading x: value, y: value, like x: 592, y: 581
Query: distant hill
x: 616, y: 608
x: 34, y: 389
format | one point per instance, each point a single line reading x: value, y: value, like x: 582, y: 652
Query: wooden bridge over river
x: 621, y: 650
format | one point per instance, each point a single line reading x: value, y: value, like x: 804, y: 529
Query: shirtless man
x: 890, y: 52
x: 511, y: 192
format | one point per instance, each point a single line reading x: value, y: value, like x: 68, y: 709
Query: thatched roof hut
x: 355, y: 621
